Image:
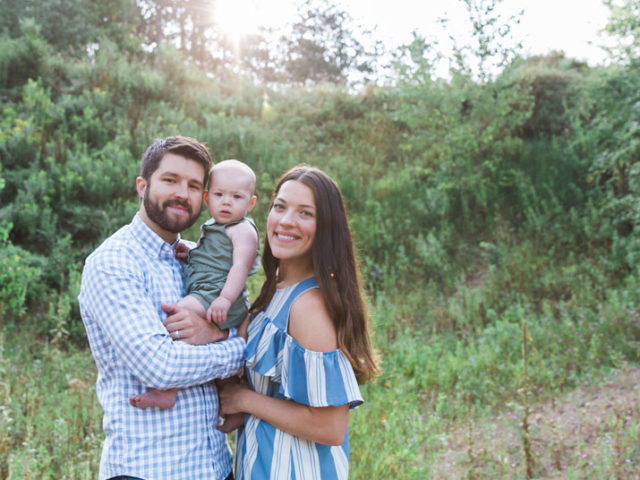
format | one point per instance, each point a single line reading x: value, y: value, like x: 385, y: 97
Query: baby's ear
x: 252, y: 202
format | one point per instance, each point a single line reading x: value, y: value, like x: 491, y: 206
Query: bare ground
x: 592, y: 432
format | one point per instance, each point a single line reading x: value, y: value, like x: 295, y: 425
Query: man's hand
x: 189, y: 327
x: 217, y: 311
x: 230, y: 422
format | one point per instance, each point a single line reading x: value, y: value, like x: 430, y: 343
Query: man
x: 128, y: 284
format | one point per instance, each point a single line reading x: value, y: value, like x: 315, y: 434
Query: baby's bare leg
x: 154, y: 398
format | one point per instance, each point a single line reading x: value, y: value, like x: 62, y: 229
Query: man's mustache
x: 168, y: 203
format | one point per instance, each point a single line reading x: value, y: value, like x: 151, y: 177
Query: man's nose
x: 182, y: 190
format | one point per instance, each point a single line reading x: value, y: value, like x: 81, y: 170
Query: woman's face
x: 291, y: 224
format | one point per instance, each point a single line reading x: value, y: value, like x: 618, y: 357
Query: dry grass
x: 589, y: 433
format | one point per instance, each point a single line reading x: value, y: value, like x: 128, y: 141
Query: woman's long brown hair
x: 335, y: 268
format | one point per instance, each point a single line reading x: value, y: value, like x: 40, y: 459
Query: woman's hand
x: 231, y: 396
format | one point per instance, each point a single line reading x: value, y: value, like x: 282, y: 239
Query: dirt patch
x: 592, y: 432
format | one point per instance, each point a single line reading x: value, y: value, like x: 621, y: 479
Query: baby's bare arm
x: 245, y: 248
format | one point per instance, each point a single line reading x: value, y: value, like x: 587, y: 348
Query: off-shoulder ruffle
x: 317, y: 379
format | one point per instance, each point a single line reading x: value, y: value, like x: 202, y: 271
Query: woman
x: 308, y: 345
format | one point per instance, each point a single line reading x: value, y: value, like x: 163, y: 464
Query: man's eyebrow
x: 174, y: 174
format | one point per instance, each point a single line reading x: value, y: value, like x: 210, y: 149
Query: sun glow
x: 239, y: 18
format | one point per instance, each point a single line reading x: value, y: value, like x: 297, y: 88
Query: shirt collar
x: 151, y: 241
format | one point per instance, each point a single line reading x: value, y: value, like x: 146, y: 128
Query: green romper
x: 209, y: 264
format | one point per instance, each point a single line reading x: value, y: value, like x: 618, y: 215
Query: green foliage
x: 491, y: 33
x: 624, y: 25
x: 556, y: 83
x: 611, y: 142
x: 19, y: 273
x: 25, y: 57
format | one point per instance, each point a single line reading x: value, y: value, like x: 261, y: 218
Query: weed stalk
x: 555, y: 442
x: 471, y: 475
x: 526, y: 438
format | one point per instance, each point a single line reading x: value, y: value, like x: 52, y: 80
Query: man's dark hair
x: 184, y: 146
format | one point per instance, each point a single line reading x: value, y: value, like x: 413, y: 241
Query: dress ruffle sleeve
x: 317, y: 379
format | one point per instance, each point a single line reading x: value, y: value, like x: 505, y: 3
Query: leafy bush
x: 19, y: 275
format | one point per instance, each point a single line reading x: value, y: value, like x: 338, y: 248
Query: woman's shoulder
x: 310, y: 324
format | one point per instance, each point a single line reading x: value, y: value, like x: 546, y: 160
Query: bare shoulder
x: 310, y: 324
x: 243, y: 231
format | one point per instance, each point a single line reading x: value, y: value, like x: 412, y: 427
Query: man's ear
x: 141, y: 186
x: 252, y: 203
x: 205, y: 195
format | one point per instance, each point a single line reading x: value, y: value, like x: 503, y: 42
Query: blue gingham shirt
x: 123, y: 283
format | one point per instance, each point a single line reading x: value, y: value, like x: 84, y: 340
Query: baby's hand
x: 217, y: 311
x: 182, y: 252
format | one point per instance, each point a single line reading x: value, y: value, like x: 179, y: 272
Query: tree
x: 492, y: 37
x: 413, y: 63
x: 624, y: 24
x: 323, y: 47
x: 185, y: 23
x: 69, y: 26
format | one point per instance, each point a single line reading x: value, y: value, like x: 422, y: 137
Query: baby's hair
x: 235, y: 165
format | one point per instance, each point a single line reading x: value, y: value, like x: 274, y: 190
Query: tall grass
x: 50, y: 420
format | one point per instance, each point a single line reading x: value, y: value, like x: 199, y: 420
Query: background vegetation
x: 496, y: 212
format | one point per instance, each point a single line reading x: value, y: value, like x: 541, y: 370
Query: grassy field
x: 449, y: 404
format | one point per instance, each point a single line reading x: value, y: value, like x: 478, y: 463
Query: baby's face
x: 230, y: 196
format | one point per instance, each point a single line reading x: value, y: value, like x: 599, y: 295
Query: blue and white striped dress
x: 280, y: 367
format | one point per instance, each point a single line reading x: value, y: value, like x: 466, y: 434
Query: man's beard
x: 158, y: 214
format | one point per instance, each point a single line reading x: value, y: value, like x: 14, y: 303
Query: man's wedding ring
x: 177, y: 334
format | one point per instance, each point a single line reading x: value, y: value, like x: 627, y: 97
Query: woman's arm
x: 311, y: 327
x: 326, y: 425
